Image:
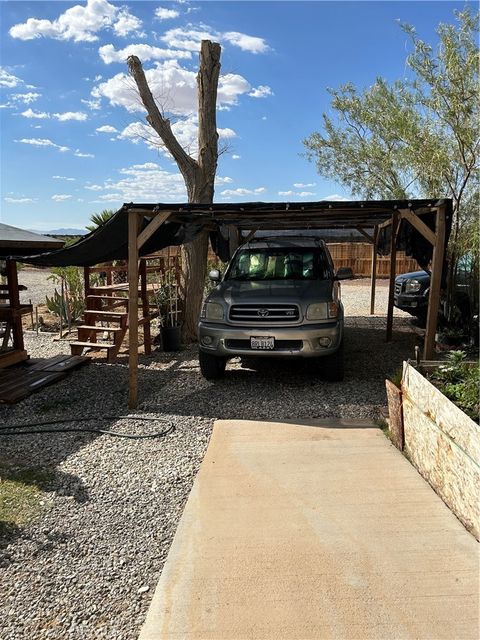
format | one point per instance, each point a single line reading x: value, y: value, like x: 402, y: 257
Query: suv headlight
x: 322, y: 310
x: 212, y: 311
x: 412, y: 286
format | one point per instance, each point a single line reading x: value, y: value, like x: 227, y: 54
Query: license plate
x: 262, y: 342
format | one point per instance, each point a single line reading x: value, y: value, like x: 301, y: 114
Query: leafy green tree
x: 97, y: 219
x: 413, y: 138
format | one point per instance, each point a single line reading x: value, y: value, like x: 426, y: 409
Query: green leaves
x: 99, y: 218
x: 410, y: 138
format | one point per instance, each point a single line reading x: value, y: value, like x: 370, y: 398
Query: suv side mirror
x: 215, y: 275
x: 344, y: 273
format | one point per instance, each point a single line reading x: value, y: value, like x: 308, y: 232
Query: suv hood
x: 418, y: 275
x: 294, y: 291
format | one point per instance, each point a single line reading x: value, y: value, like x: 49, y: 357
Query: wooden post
x: 133, y: 221
x: 393, y: 265
x: 86, y: 285
x: 373, y: 276
x: 435, y: 284
x: 14, y: 298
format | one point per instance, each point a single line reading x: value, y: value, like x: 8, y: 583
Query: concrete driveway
x: 312, y: 531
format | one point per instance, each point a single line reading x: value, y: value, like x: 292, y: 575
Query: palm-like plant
x: 98, y: 219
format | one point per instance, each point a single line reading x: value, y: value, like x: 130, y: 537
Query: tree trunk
x: 199, y: 175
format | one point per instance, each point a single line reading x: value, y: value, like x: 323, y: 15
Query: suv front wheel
x: 212, y: 367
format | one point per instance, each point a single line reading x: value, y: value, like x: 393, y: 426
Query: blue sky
x: 74, y: 140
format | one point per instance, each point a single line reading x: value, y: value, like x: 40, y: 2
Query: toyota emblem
x: 263, y: 313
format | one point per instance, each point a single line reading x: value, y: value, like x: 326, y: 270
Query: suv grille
x: 398, y: 288
x: 268, y: 314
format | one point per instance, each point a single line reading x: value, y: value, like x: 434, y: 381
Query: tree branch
x: 186, y: 163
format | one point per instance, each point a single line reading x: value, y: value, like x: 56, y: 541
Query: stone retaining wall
x: 444, y: 445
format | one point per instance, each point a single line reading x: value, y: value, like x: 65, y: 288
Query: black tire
x: 212, y: 367
x: 332, y: 367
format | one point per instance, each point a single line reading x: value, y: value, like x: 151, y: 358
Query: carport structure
x: 422, y: 226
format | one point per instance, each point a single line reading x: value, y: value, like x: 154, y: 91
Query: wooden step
x: 92, y: 327
x: 93, y: 345
x: 116, y: 315
x: 108, y: 298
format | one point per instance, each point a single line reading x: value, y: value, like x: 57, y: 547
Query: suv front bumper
x: 301, y: 341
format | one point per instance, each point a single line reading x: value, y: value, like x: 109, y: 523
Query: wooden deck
x: 18, y: 382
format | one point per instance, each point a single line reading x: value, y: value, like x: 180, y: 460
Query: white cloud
x: 144, y: 183
x: 19, y: 200
x: 61, y: 197
x: 63, y: 178
x: 242, y: 192
x: 46, y: 142
x: 70, y: 115
x: 251, y: 44
x: 304, y: 185
x: 94, y: 187
x: 79, y: 23
x: 110, y: 197
x: 166, y: 14
x: 298, y: 194
x: 190, y: 38
x: 26, y: 98
x: 127, y: 23
x: 226, y: 133
x: 262, y: 91
x: 8, y: 80
x: 174, y: 87
x: 145, y: 52
x: 334, y: 197
x: 106, y: 128
x: 30, y: 113
x: 42, y: 142
x: 264, y: 117
x: 94, y: 105
x: 236, y: 157
x: 224, y: 180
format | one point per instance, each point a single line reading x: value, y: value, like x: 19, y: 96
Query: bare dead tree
x: 199, y: 174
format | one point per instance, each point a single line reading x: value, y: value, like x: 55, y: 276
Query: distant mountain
x: 61, y: 232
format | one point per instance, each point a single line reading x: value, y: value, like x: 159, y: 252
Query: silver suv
x: 279, y: 297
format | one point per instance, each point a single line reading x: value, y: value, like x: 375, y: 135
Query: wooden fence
x: 356, y: 255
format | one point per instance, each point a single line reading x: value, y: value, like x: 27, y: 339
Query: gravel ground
x: 87, y: 566
x: 37, y: 283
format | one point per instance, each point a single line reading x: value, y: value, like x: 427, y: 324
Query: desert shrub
x: 71, y: 306
x: 459, y: 381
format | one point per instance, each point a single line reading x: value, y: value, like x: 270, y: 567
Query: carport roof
x: 186, y: 221
x: 324, y: 214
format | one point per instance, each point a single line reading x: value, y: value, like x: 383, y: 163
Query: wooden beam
x: 133, y: 224
x: 373, y: 275
x: 152, y: 226
x: 419, y: 225
x: 365, y: 234
x: 435, y: 285
x: 387, y: 223
x: 393, y: 261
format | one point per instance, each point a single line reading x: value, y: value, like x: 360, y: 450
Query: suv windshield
x: 279, y: 264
